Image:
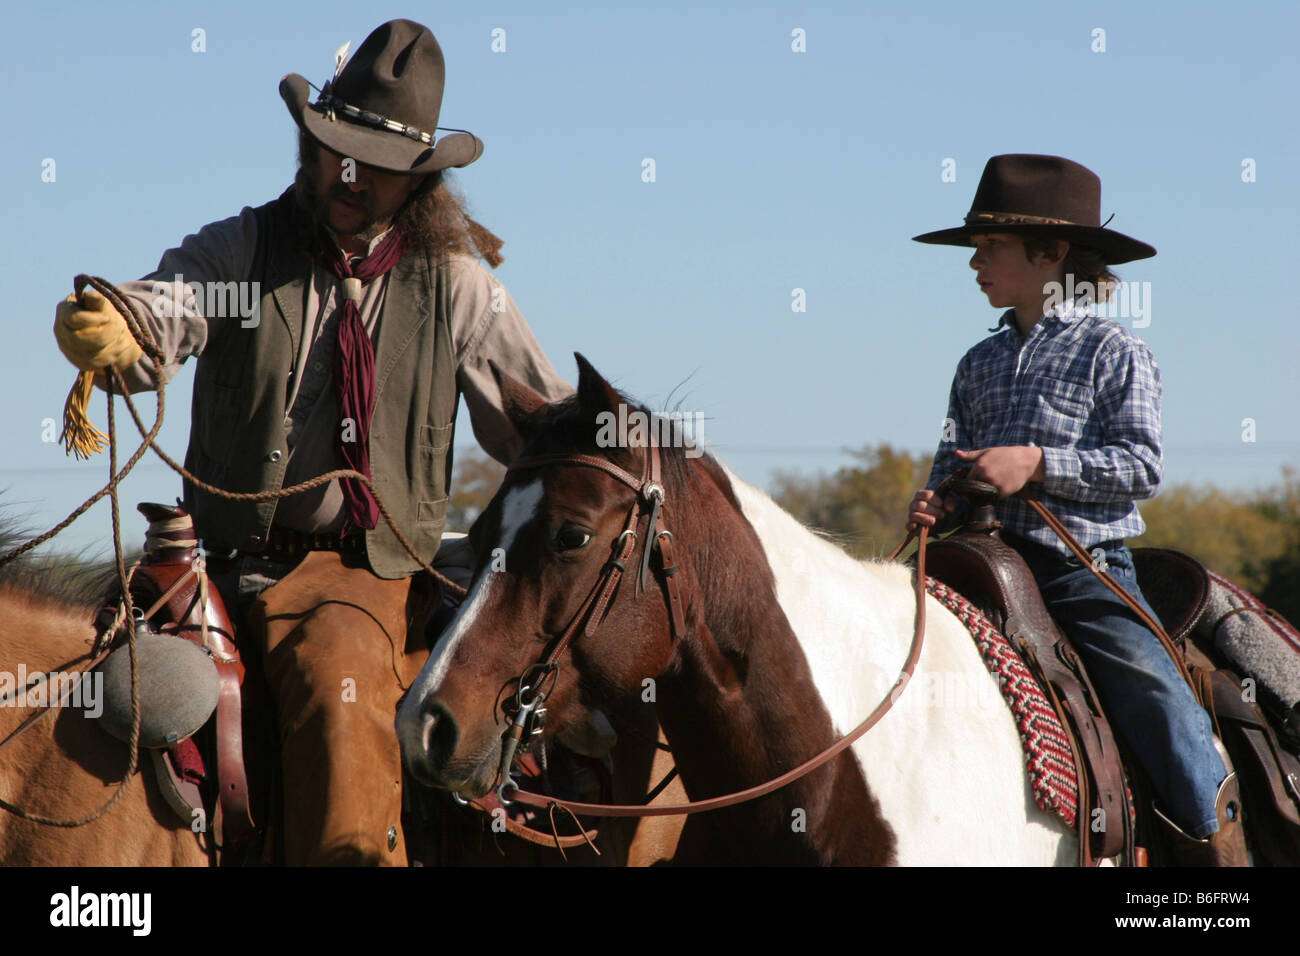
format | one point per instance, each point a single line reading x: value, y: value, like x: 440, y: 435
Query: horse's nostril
x: 440, y: 734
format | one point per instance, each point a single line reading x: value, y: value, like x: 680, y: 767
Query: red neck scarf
x: 354, y: 370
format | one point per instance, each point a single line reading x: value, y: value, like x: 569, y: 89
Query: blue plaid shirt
x: 1085, y: 390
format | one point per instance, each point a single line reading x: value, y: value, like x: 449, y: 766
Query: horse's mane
x: 67, y: 580
x: 564, y: 424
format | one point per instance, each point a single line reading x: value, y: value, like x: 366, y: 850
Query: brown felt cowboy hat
x: 1046, y: 196
x: 381, y: 109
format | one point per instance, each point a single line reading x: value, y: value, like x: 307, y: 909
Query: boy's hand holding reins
x: 93, y: 335
x: 1006, y: 467
x: 927, y: 509
x: 1009, y: 468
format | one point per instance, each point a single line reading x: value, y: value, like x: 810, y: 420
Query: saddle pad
x: 1048, y: 758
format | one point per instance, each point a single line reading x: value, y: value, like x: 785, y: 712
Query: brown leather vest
x: 237, y: 430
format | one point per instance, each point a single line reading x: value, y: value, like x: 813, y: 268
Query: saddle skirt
x: 996, y: 580
x: 1212, y: 623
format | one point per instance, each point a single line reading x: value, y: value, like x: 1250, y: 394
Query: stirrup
x: 1224, y: 847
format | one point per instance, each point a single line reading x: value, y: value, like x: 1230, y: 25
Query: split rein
x: 81, y: 437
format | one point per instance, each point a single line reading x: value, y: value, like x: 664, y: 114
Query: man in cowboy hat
x: 1061, y: 396
x: 374, y: 317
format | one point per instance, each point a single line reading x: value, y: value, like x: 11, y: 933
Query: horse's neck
x: 742, y: 708
x: 37, y: 636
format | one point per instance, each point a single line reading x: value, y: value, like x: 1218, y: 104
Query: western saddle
x: 975, y: 561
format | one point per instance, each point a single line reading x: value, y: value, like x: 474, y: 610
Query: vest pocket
x: 436, y: 437
x: 432, y: 511
x: 434, y: 441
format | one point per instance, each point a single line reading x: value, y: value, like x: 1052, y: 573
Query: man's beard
x: 373, y: 224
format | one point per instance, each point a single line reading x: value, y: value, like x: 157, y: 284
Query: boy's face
x: 1005, y: 275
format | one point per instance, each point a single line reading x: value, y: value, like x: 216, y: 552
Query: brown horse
x: 65, y: 766
x: 783, y: 644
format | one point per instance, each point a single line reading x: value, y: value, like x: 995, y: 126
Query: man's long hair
x: 433, y: 217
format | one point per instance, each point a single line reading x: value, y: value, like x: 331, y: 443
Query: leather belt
x: 286, y: 544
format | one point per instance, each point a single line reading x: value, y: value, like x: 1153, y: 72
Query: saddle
x: 189, y: 607
x: 994, y: 577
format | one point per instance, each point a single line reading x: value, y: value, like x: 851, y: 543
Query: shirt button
x: 317, y: 366
x: 274, y: 456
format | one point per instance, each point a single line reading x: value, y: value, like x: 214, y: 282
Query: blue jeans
x: 1147, y: 700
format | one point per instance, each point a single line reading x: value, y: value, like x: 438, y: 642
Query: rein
x: 528, y: 709
x: 529, y: 712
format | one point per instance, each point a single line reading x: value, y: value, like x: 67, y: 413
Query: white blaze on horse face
x: 519, y: 508
x: 411, y: 719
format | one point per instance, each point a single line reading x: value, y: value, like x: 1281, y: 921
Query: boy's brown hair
x: 1086, y: 265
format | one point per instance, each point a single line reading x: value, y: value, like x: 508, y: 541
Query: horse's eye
x: 571, y: 538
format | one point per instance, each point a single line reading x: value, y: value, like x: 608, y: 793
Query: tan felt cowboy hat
x: 381, y: 109
x: 1041, y: 195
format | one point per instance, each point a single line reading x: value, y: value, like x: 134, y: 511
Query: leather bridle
x: 527, y: 708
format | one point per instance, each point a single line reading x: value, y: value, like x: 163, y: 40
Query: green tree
x: 864, y: 505
x: 1231, y: 533
x: 1252, y: 538
x: 1281, y: 573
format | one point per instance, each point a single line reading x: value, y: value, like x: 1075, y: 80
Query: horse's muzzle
x: 429, y: 735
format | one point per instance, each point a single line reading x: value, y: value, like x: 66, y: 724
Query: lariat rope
x: 79, y: 438
x: 82, y: 439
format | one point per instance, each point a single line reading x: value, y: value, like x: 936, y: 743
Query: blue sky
x: 775, y: 171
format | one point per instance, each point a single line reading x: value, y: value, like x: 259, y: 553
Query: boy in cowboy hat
x: 375, y: 316
x: 1061, y: 396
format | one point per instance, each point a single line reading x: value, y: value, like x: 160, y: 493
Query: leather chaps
x: 335, y: 648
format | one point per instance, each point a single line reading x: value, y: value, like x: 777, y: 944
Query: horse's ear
x: 594, y: 393
x: 518, y: 401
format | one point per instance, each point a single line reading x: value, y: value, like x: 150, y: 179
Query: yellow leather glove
x: 93, y: 335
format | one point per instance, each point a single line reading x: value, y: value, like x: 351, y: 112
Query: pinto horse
x: 787, y: 643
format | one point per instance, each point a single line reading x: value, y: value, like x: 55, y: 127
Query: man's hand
x: 1007, y: 467
x: 93, y: 335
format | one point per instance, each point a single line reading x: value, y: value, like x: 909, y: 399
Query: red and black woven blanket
x: 1048, y: 758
